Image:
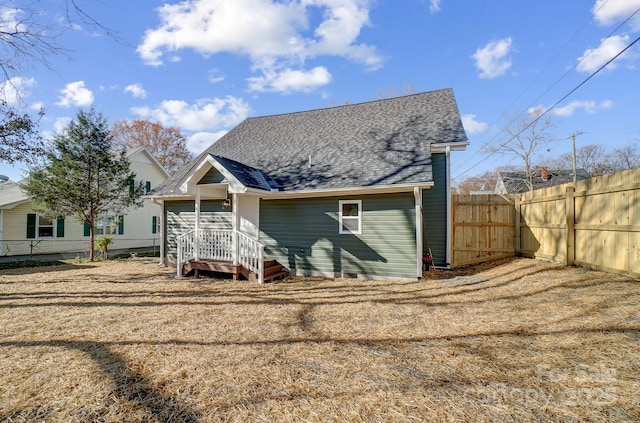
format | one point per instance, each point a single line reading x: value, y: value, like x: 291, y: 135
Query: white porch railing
x: 223, y: 245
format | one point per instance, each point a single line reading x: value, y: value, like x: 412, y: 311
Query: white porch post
x: 417, y: 194
x: 197, y: 224
x: 235, y: 218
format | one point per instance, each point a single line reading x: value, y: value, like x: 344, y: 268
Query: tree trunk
x: 92, y: 229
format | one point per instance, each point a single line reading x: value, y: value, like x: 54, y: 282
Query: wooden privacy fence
x: 483, y: 228
x: 595, y: 224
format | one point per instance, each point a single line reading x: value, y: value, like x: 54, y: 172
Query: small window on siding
x: 350, y: 217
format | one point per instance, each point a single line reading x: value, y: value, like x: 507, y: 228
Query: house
x: 23, y: 231
x: 517, y: 182
x: 359, y: 190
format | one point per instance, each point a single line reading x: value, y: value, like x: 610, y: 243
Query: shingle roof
x: 381, y: 142
x: 516, y: 182
x: 249, y: 177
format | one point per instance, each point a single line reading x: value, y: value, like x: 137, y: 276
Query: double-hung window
x: 350, y: 217
x: 106, y: 225
x: 39, y: 226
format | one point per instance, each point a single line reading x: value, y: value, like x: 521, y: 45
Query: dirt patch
x: 515, y: 340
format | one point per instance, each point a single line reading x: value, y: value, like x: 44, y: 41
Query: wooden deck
x: 272, y: 269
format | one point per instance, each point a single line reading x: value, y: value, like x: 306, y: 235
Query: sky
x: 205, y: 65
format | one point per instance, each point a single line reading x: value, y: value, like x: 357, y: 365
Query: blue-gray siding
x: 213, y: 176
x: 180, y: 218
x: 434, y: 212
x: 302, y: 234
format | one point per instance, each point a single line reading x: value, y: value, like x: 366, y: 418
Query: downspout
x: 417, y: 194
x: 162, y: 239
x: 449, y: 225
x: 162, y: 228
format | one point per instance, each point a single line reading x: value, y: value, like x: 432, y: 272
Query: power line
x: 518, y: 116
x: 534, y: 121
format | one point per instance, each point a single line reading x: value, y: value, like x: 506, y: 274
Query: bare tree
x: 391, y: 92
x: 593, y: 158
x: 627, y: 157
x: 526, y: 134
x: 29, y: 37
x: 167, y: 145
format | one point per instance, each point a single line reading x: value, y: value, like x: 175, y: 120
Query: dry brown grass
x: 518, y: 340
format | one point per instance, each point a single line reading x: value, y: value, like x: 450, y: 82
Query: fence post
x: 571, y: 234
x: 516, y: 227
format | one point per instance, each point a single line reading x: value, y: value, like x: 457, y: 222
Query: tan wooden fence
x: 483, y: 228
x: 595, y: 224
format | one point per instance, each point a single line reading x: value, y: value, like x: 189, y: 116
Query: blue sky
x: 204, y: 66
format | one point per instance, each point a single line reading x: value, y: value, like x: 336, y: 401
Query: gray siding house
x: 359, y: 190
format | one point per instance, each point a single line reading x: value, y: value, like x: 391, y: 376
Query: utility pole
x: 573, y: 155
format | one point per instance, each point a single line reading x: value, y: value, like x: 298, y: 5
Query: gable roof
x: 143, y: 150
x: 516, y: 182
x: 11, y: 195
x: 378, y: 143
x: 248, y: 176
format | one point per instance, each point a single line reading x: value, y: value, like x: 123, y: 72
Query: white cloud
x: 492, y: 60
x: 593, y: 59
x: 12, y: 90
x: 9, y: 21
x: 289, y: 80
x: 136, y: 90
x: 215, y: 76
x: 200, y: 141
x: 276, y: 36
x: 608, y: 12
x: 75, y: 94
x: 204, y: 115
x: 60, y: 124
x: 588, y: 106
x: 471, y: 125
x: 434, y: 6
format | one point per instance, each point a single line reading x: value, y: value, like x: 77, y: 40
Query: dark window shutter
x: 59, y: 227
x: 120, y: 225
x: 147, y: 186
x: 154, y: 224
x: 87, y: 229
x: 132, y: 186
x: 31, y: 225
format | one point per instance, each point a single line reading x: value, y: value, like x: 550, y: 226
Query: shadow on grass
x: 132, y: 387
x: 28, y: 267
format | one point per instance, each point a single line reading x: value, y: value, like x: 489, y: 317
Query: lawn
x: 514, y: 340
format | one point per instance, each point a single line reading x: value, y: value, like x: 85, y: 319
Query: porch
x: 225, y: 251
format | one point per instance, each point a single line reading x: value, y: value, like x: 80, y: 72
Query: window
x: 350, y: 216
x: 155, y: 224
x: 106, y: 225
x: 45, y: 227
x: 39, y: 226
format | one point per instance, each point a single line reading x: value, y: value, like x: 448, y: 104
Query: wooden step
x: 280, y: 275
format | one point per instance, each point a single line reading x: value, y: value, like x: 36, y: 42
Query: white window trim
x: 103, y: 219
x: 54, y: 229
x: 340, y: 217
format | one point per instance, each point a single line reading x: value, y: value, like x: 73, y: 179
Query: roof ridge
x: 342, y: 106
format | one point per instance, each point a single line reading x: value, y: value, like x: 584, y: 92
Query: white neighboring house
x: 23, y: 231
